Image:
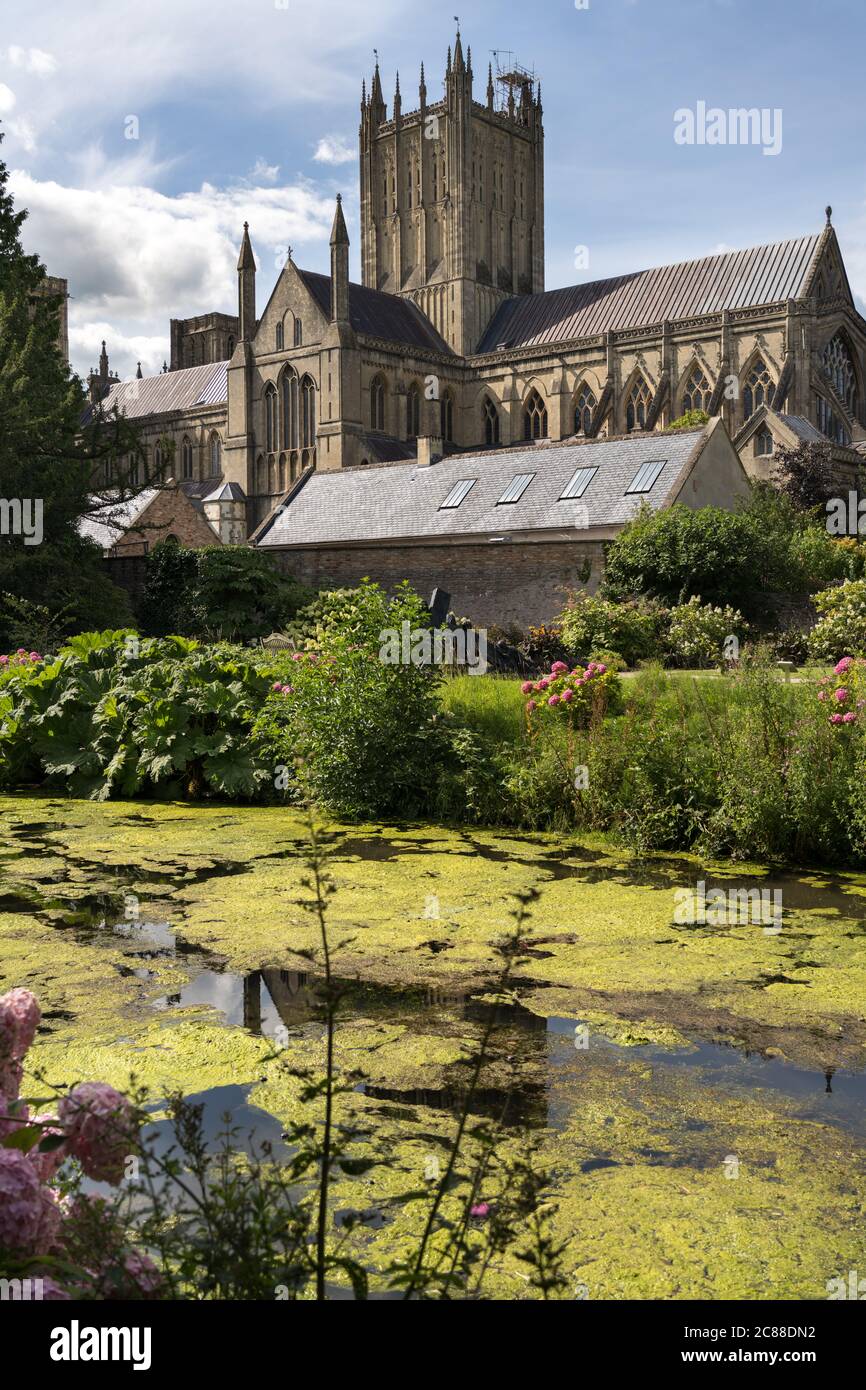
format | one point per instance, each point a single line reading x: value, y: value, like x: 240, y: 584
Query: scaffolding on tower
x: 511, y: 77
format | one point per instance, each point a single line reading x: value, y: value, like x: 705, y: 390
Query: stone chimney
x: 430, y: 450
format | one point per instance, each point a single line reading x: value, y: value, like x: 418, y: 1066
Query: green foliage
x: 227, y: 592
x: 595, y: 623
x: 841, y: 628
x: 691, y: 420
x: 46, y: 452
x: 736, y: 558
x: 368, y: 730
x: 697, y: 632
x: 115, y: 716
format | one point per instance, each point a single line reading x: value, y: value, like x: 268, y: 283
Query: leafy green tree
x: 225, y: 592
x: 53, y: 451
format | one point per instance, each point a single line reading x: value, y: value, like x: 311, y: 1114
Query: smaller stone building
x: 508, y: 532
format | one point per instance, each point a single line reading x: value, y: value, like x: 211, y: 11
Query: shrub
x: 594, y: 624
x: 227, y: 592
x: 691, y: 420
x: 368, y: 730
x: 112, y: 715
x: 578, y: 697
x: 543, y: 645
x: 698, y: 632
x: 841, y: 629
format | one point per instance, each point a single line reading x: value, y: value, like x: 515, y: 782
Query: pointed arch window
x: 698, y: 392
x: 829, y: 422
x: 299, y: 333
x: 261, y: 474
x: 839, y: 369
x: 534, y: 417
x: 270, y: 418
x: 757, y: 390
x: 279, y: 337
x: 638, y: 405
x: 134, y: 471
x: 413, y: 412
x: 491, y: 423
x: 377, y: 404
x: 215, y: 455
x: 308, y: 413
x: 446, y: 410
x: 289, y: 409
x: 763, y: 443
x: 584, y: 409
x: 230, y: 346
x: 186, y: 457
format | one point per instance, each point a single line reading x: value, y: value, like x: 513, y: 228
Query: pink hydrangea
x: 527, y: 687
x: 554, y: 700
x: 557, y: 668
x: 276, y: 686
x: 822, y: 694
x: 543, y: 684
x: 849, y: 717
x: 600, y: 668
x: 4, y: 661
x: 480, y: 1210
x: 531, y: 706
x: 22, y: 1208
x: 287, y: 689
x: 567, y: 695
x: 11, y: 1073
x: 100, y: 1127
x: 297, y: 656
x: 19, y: 1019
x: 143, y: 1272
x: 842, y: 666
x: 34, y: 656
x: 46, y: 1164
x: 11, y: 1119
x: 835, y: 719
x: 841, y: 694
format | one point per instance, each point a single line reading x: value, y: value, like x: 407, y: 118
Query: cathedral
x: 451, y: 349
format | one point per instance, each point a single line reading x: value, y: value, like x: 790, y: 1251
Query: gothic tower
x: 452, y: 197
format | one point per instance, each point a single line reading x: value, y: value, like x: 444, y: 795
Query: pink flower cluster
x: 21, y: 658
x: 847, y: 698
x: 97, y: 1126
x: 562, y: 687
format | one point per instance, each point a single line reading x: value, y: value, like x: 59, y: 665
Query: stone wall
x: 514, y: 583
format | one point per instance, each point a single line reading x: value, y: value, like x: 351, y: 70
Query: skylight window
x: 458, y: 493
x: 578, y: 484
x: 516, y: 488
x: 645, y: 478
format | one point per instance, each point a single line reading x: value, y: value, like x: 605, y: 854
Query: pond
x: 697, y: 1090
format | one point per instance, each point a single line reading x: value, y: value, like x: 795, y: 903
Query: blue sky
x: 251, y: 111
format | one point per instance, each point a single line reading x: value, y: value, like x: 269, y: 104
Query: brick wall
x: 171, y: 513
x: 522, y: 584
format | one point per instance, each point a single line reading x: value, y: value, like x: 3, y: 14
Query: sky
x: 140, y: 137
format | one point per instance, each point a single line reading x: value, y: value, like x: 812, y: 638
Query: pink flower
x: 21, y: 1203
x: 46, y: 1164
x: 19, y: 1019
x: 567, y: 695
x: 554, y: 700
x: 143, y: 1272
x: 287, y: 689
x: 822, y: 694
x: 842, y: 666
x: 849, y: 717
x: 543, y: 684
x: 557, y: 668
x: 4, y: 661
x: 840, y: 694
x: 34, y: 656
x: 20, y: 652
x: 527, y: 687
x: 600, y: 668
x: 101, y: 1129
x: 11, y: 1119
x: 835, y: 719
x: 531, y: 706
x: 480, y: 1209
x: 276, y: 686
x: 297, y: 656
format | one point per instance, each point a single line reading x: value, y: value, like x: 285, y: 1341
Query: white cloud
x: 7, y: 98
x: 135, y: 258
x: 34, y: 60
x: 332, y: 149
x: 262, y: 172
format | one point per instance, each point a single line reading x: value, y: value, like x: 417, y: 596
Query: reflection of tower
x: 452, y: 196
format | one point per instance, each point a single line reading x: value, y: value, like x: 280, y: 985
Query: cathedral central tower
x: 452, y: 197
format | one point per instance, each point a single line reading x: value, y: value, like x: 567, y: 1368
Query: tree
x: 54, y: 453
x: 805, y: 474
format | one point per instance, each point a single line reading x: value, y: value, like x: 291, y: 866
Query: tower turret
x: 246, y: 288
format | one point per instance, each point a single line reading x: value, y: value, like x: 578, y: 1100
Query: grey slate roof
x: 404, y: 500
x: 803, y: 428
x: 170, y: 391
x: 226, y: 492
x: 109, y: 523
x: 379, y: 315
x: 732, y: 280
